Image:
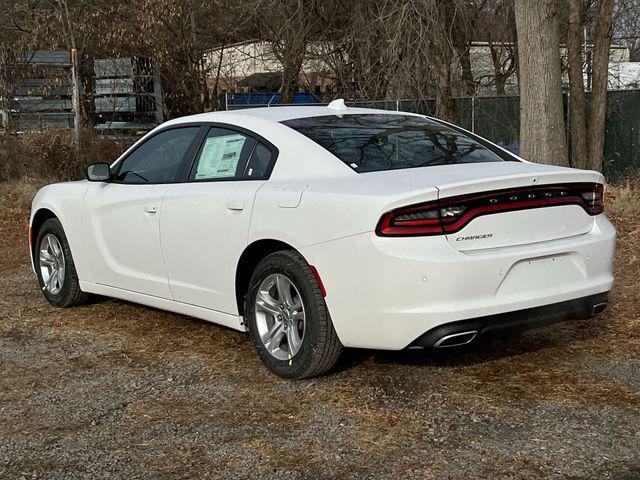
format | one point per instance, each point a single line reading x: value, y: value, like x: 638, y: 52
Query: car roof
x: 279, y: 114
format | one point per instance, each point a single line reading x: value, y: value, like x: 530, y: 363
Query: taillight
x: 422, y: 219
x: 594, y: 199
x: 449, y: 215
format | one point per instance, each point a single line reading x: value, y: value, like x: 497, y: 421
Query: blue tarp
x: 264, y: 98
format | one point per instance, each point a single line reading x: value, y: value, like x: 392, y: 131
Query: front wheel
x: 288, y: 319
x: 55, y: 268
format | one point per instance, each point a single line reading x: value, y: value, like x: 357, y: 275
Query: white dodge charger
x: 318, y: 228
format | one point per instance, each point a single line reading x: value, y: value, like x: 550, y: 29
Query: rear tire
x: 52, y: 258
x: 314, y: 347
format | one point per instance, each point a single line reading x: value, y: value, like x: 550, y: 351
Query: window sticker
x: 220, y: 156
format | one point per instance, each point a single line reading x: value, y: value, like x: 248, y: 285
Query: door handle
x: 235, y: 206
x: 151, y: 209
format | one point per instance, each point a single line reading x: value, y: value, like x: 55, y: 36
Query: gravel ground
x: 115, y: 390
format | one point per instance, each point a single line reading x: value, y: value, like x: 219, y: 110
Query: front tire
x: 56, y: 271
x: 288, y: 319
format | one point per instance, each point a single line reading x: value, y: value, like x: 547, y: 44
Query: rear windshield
x: 374, y: 142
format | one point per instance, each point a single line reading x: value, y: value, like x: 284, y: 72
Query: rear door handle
x: 151, y: 209
x: 235, y: 206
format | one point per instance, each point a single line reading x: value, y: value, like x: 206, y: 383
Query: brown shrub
x: 52, y: 156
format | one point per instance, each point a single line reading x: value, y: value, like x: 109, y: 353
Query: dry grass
x: 16, y: 195
x: 623, y: 208
x: 623, y: 202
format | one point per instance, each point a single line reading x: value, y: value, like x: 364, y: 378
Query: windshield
x: 374, y: 142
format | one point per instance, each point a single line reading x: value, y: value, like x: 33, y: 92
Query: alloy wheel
x: 52, y: 264
x: 280, y: 316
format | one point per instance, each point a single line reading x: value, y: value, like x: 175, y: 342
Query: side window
x: 223, y: 155
x: 158, y: 159
x: 259, y: 163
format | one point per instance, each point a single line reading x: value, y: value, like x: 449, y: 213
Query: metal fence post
x: 75, y: 97
x: 473, y: 114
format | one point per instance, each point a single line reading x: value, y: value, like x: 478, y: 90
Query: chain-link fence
x: 498, y: 119
x: 622, y: 137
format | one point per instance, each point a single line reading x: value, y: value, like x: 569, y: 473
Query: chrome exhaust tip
x: 598, y: 308
x: 456, y: 339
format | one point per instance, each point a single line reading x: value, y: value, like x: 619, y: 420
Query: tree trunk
x: 602, y: 44
x: 216, y: 96
x: 444, y: 52
x: 290, y: 54
x: 577, y: 115
x: 290, y: 81
x: 201, y: 79
x: 542, y: 130
x: 445, y: 107
x: 499, y: 78
x: 515, y: 53
x: 463, y: 49
x: 467, y: 73
x: 64, y: 6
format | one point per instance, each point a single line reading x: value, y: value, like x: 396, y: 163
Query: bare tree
x: 499, y: 27
x: 463, y: 33
x: 542, y: 129
x: 370, y: 49
x: 367, y: 50
x: 627, y: 26
x: 600, y: 68
x: 587, y: 142
x: 577, y: 110
x: 288, y: 25
x: 444, y: 18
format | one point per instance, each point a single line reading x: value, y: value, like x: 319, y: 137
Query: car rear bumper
x: 384, y: 293
x: 464, y: 332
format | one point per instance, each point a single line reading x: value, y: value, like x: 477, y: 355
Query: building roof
x: 624, y: 75
x: 263, y: 80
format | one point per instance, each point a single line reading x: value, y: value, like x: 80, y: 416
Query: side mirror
x: 98, y: 172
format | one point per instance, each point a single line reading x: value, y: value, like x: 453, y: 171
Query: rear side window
x: 223, y: 155
x: 259, y: 163
x: 374, y: 142
x: 158, y: 159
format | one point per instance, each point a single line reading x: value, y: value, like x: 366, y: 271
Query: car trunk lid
x: 506, y: 203
x: 536, y: 193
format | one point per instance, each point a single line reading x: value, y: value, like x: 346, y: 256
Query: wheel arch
x: 39, y: 217
x: 251, y: 256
